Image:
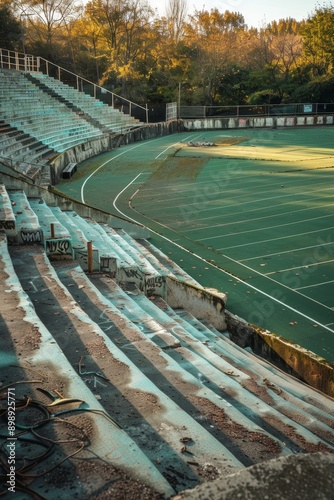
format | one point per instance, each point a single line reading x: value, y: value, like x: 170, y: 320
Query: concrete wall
x: 290, y: 357
x: 254, y: 122
x: 205, y: 304
x: 152, y: 284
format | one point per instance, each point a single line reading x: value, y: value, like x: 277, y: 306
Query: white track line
x: 299, y: 267
x: 232, y: 214
x: 226, y: 175
x: 266, y: 228
x: 248, y: 285
x: 176, y: 143
x: 317, y: 284
x: 246, y: 221
x: 232, y: 205
x: 103, y: 164
x: 286, y: 251
x: 121, y: 154
x: 274, y: 239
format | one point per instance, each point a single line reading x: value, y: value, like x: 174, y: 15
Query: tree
x: 10, y: 29
x: 123, y: 27
x: 318, y: 34
x: 45, y: 21
x: 274, y: 56
x: 213, y: 37
x: 176, y: 14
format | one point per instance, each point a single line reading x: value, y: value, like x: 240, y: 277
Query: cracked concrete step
x: 188, y: 390
x: 307, y: 431
x: 30, y: 358
x: 152, y: 419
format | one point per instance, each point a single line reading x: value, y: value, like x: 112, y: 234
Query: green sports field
x: 249, y: 212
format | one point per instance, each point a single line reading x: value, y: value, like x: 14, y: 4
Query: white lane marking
x: 296, y: 268
x: 317, y: 284
x: 248, y: 285
x: 274, y: 239
x: 264, y: 256
x: 176, y: 143
x: 101, y: 166
x: 121, y: 192
x: 265, y: 228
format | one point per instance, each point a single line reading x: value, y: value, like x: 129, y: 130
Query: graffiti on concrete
x: 148, y: 284
x: 58, y: 247
x: 33, y: 236
x: 153, y: 284
x: 7, y: 224
x: 133, y: 273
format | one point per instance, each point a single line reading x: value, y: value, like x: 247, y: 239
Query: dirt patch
x: 255, y: 445
x: 232, y: 141
x: 107, y: 482
x: 178, y: 168
x: 297, y: 439
x: 209, y: 472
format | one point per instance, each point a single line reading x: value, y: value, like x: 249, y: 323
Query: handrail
x: 29, y: 63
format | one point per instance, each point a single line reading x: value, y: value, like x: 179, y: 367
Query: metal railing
x: 298, y: 109
x: 28, y: 63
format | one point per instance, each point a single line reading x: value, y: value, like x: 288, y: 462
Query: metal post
x: 52, y: 229
x: 90, y: 256
x: 179, y: 102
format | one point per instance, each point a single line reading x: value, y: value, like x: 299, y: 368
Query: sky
x: 256, y: 12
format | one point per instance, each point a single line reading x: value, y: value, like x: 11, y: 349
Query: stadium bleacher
x: 180, y: 391
x: 41, y: 117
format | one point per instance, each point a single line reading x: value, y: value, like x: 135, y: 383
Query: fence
x: 29, y: 63
x: 299, y: 109
x: 171, y: 111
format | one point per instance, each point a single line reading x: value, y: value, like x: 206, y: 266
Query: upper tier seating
x: 41, y: 117
x: 104, y: 117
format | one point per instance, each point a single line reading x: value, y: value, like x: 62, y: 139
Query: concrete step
x: 103, y: 115
x: 224, y: 385
x: 7, y: 216
x: 160, y: 261
x: 147, y: 415
x: 57, y: 239
x: 151, y: 280
x: 280, y: 387
x: 28, y: 228
x: 34, y: 366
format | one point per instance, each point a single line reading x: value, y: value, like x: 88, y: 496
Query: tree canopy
x: 212, y: 54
